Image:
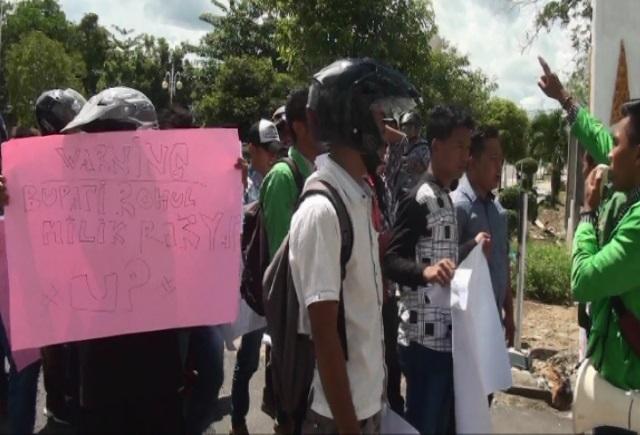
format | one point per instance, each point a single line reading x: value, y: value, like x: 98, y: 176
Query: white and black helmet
x: 115, y: 109
x: 347, y: 97
x: 56, y: 108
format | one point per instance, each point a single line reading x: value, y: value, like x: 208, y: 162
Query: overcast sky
x: 490, y: 32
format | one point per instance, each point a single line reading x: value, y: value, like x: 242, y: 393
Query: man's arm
x: 314, y: 254
x: 400, y: 264
x: 332, y: 366
x: 462, y: 219
x: 599, y: 273
x: 591, y: 133
x: 278, y: 197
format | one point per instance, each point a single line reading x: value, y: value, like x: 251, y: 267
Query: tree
x: 245, y: 90
x: 513, y: 124
x: 547, y: 143
x: 243, y: 29
x: 312, y: 34
x: 452, y: 81
x: 140, y: 62
x: 37, y: 63
x: 45, y: 16
x: 94, y: 46
x: 575, y: 15
x: 26, y: 16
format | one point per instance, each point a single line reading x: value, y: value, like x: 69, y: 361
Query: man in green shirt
x: 605, y: 265
x: 280, y: 191
x: 279, y: 195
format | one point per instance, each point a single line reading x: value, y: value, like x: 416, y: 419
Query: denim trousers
x: 429, y: 402
x: 22, y: 391
x: 247, y: 362
x: 207, y: 355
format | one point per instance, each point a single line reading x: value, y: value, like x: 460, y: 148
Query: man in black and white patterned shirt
x: 421, y: 259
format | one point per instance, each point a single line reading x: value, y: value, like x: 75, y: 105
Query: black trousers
x: 391, y: 322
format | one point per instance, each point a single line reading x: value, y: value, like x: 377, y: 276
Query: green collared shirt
x: 279, y: 195
x: 605, y: 264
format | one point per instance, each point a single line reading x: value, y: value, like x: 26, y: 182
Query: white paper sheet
x: 247, y: 321
x: 480, y: 359
x: 392, y: 424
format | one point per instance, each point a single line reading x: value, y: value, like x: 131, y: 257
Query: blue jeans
x: 429, y: 403
x: 207, y: 354
x: 22, y: 391
x: 247, y: 361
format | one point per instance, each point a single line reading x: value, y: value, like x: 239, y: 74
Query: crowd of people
x: 355, y: 209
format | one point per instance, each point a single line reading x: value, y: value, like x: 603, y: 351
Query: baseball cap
x: 264, y: 133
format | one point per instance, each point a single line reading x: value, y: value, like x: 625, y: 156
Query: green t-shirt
x: 278, y: 196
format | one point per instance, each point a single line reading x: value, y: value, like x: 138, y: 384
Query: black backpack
x: 292, y: 355
x: 255, y: 247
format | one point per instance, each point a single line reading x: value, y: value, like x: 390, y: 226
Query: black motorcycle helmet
x: 115, y: 109
x: 349, y: 99
x: 56, y: 108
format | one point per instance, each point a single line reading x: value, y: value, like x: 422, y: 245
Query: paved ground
x: 506, y: 419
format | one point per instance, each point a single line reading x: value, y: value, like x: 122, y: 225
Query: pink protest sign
x: 22, y: 358
x: 123, y: 232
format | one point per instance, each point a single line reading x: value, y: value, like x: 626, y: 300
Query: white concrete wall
x: 614, y: 20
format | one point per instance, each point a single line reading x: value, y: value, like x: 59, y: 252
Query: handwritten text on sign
x: 122, y: 232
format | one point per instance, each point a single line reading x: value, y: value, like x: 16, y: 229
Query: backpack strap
x: 320, y: 187
x: 295, y: 170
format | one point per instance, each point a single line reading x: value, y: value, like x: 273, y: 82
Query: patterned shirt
x: 425, y: 232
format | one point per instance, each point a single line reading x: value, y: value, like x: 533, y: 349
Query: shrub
x: 528, y: 166
x: 510, y: 199
x: 548, y: 273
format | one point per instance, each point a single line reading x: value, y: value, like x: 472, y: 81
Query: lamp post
x: 172, y: 81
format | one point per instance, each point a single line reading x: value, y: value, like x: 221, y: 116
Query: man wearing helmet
x: 347, y: 103
x: 55, y: 109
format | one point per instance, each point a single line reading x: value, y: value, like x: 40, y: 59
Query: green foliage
x: 548, y: 276
x: 243, y: 29
x: 291, y: 38
x: 513, y: 124
x: 312, y: 34
x: 94, y: 46
x: 45, y: 16
x: 139, y: 62
x: 510, y: 199
x: 245, y: 89
x: 35, y: 64
x: 527, y: 166
x: 548, y: 138
x: 512, y: 222
x: 575, y: 15
x: 548, y: 142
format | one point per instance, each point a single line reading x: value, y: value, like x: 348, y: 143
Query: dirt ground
x: 550, y: 326
x: 550, y: 333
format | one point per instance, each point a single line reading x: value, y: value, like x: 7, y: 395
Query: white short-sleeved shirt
x: 314, y: 256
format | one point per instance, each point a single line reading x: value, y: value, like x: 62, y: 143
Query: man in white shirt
x: 347, y: 101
